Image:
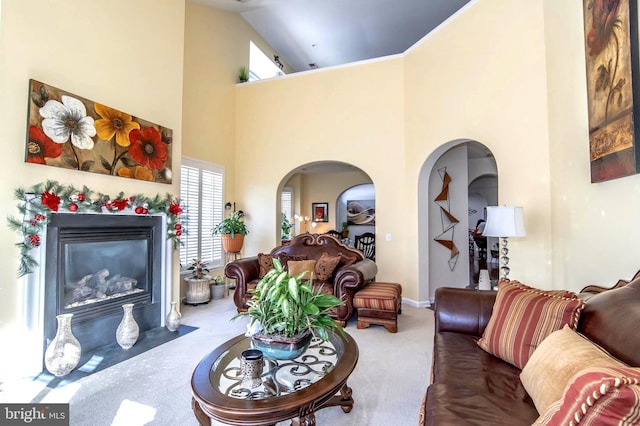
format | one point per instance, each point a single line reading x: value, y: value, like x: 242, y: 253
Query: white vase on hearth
x: 172, y: 322
x: 63, y: 353
x: 128, y: 330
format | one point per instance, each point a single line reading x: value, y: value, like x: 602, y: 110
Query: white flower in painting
x: 68, y: 119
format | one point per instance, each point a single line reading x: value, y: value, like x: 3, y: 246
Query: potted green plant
x: 243, y: 75
x: 286, y: 226
x: 285, y: 313
x: 345, y: 229
x: 217, y: 286
x: 232, y: 230
x: 198, y: 290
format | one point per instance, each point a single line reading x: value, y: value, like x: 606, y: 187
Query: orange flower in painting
x: 147, y: 147
x: 141, y: 173
x: 114, y: 122
x: 604, y: 19
x: 40, y: 146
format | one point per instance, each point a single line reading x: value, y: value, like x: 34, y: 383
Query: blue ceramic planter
x: 278, y: 348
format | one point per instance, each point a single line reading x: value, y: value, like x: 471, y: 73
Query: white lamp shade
x: 503, y: 221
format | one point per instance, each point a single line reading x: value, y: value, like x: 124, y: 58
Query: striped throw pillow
x: 598, y: 396
x: 523, y: 316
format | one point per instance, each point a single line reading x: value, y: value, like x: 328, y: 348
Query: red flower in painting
x: 603, y: 20
x: 120, y: 204
x: 40, y: 146
x: 147, y: 147
x: 50, y: 200
x: 175, y: 209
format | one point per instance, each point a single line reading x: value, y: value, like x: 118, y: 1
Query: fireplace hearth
x: 94, y: 264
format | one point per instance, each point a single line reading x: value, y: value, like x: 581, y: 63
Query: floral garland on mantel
x: 43, y: 199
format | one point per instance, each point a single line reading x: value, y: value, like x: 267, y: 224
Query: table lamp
x: 504, y: 222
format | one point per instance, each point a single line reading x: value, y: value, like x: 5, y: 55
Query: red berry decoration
x: 34, y: 240
x: 178, y: 226
x: 145, y: 211
x: 81, y: 197
x: 73, y: 207
x: 139, y: 210
x: 178, y: 233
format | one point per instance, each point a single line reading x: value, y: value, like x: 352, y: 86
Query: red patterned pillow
x: 600, y: 396
x: 266, y: 264
x: 523, y: 317
x: 325, y: 266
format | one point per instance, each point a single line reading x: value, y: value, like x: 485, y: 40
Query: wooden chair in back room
x: 366, y: 243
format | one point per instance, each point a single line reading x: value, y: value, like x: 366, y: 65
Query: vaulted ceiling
x: 309, y: 34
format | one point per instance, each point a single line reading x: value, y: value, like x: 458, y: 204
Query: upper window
x: 260, y: 66
x: 201, y: 194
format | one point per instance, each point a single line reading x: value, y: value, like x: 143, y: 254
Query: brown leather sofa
x: 346, y: 280
x: 472, y: 387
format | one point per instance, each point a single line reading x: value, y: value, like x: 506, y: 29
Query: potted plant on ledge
x: 198, y: 290
x: 286, y: 313
x: 232, y: 230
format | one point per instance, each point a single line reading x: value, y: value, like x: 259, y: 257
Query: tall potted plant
x: 286, y: 226
x: 286, y: 313
x: 232, y: 230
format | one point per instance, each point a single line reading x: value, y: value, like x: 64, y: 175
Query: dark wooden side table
x: 286, y: 390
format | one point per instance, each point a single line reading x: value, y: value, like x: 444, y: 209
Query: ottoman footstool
x: 379, y: 303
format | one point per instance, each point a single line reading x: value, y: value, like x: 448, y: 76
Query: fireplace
x: 94, y: 264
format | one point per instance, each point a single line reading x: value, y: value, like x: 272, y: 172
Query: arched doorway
x: 319, y: 183
x: 443, y: 213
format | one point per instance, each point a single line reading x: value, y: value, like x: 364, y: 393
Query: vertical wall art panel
x: 611, y: 43
x: 68, y: 131
x: 449, y: 221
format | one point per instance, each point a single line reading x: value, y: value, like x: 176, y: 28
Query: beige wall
x: 216, y: 46
x: 595, y: 226
x: 352, y: 114
x: 127, y: 55
x: 483, y: 78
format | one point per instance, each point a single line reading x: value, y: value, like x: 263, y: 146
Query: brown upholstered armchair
x: 351, y: 274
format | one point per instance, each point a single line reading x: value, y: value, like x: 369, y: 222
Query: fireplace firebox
x: 95, y: 263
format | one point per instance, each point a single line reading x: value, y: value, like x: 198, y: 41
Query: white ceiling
x: 335, y: 32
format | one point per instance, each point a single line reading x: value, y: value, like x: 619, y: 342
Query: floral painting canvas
x: 610, y: 76
x: 65, y: 130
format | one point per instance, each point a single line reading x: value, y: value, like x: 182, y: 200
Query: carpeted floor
x: 154, y: 387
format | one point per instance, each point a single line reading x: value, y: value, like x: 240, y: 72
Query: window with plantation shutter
x: 286, y: 203
x: 201, y: 195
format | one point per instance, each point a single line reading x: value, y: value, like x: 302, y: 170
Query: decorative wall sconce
x: 276, y: 59
x: 230, y: 205
x: 304, y: 220
x: 301, y: 219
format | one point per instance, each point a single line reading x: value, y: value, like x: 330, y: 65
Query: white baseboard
x: 417, y: 304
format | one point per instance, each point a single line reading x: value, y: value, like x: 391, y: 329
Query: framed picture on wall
x: 320, y: 212
x: 613, y: 75
x: 361, y: 212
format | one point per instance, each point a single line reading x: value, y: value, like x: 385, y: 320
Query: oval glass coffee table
x: 293, y: 389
